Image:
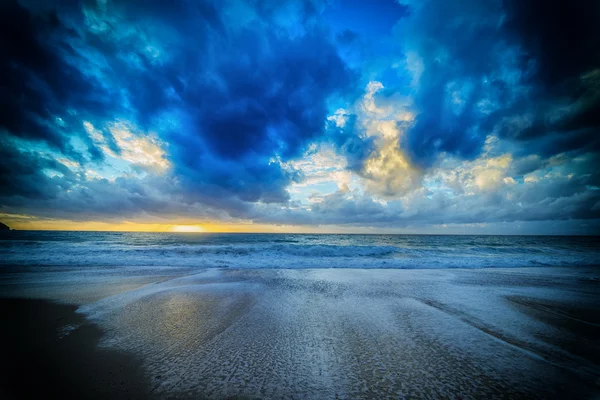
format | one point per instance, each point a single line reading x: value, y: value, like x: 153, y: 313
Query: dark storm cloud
x: 347, y: 36
x: 561, y: 37
x: 561, y: 40
x: 350, y: 141
x: 22, y: 175
x: 231, y: 91
x: 37, y: 85
x: 457, y: 44
x: 527, y: 71
x: 270, y: 101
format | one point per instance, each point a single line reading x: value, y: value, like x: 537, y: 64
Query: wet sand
x: 50, y: 351
x: 502, y: 333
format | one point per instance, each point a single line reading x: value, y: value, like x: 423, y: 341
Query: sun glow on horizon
x: 187, y: 228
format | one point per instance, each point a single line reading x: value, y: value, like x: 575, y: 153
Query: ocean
x: 298, y: 251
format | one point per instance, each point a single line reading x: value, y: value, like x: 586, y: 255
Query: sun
x: 187, y: 228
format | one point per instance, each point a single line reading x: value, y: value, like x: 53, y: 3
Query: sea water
x: 210, y: 250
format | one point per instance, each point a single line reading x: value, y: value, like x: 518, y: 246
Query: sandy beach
x: 503, y: 333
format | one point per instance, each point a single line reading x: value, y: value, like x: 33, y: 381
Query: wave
x: 317, y: 256
x: 292, y: 254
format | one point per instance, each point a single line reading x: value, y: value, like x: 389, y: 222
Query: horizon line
x: 302, y: 233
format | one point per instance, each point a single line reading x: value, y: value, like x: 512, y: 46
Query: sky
x: 410, y: 116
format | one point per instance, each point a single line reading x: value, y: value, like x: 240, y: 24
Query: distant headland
x: 4, y: 227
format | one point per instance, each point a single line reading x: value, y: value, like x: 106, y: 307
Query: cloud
x: 272, y: 103
x: 430, y: 112
x: 227, y: 85
x: 140, y: 150
x: 488, y: 188
x: 388, y: 170
x: 41, y: 88
x: 24, y: 174
x: 524, y: 71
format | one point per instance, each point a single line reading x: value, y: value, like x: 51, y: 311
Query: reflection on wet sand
x: 361, y: 334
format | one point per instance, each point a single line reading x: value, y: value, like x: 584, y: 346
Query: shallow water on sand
x: 347, y: 333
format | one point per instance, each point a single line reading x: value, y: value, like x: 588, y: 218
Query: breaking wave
x: 293, y: 251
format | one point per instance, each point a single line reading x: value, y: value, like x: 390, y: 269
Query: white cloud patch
x: 323, y: 172
x: 145, y: 150
x: 135, y: 148
x: 387, y: 172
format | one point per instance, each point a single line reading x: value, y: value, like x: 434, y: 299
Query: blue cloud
x: 244, y: 93
x: 503, y: 68
x: 350, y: 141
x: 40, y: 88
